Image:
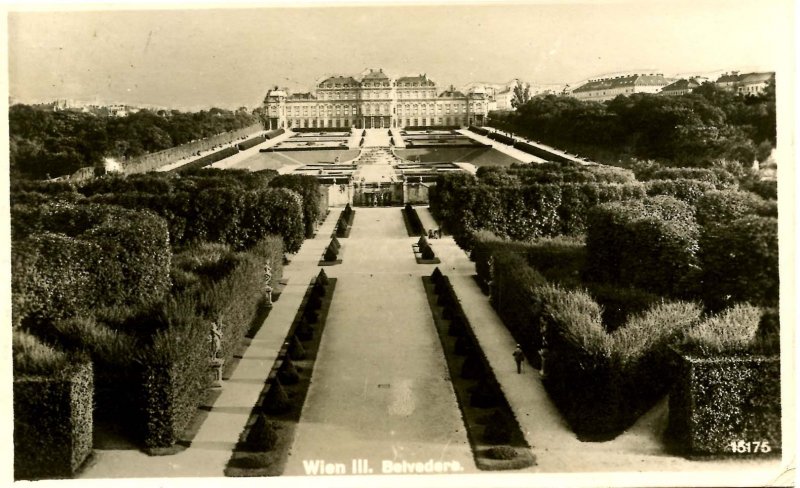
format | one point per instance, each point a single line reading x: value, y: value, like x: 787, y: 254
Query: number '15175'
x: 742, y: 447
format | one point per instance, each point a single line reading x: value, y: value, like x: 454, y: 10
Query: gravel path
x: 380, y: 389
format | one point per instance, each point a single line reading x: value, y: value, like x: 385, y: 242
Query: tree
x: 522, y: 93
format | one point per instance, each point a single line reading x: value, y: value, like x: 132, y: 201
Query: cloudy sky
x: 195, y: 58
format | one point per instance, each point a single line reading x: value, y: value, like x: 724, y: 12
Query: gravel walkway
x: 380, y: 389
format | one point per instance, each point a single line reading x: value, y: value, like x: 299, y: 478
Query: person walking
x: 519, y: 357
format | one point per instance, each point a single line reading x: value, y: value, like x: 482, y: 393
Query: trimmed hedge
x: 235, y: 209
x: 650, y: 244
x: 740, y: 262
x: 720, y: 207
x: 718, y: 177
x: 517, y: 212
x: 252, y: 142
x: 206, y: 160
x: 479, y: 130
x: 68, y: 259
x: 176, y: 367
x: 716, y: 402
x: 274, y: 133
x: 414, y: 223
x: 53, y: 422
x: 309, y: 190
x: 689, y: 191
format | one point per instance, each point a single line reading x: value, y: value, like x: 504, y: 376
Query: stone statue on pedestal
x: 216, y: 361
x: 268, y: 283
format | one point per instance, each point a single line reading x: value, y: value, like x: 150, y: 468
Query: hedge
x: 69, y: 259
x: 206, y: 160
x: 52, y: 422
x: 767, y: 189
x: 414, y: 223
x: 650, y: 244
x: 502, y: 138
x: 274, y: 133
x: 723, y: 206
x: 689, y: 191
x: 534, y: 150
x: 603, y: 382
x: 252, y: 142
x: 716, y: 402
x: 718, y: 177
x: 309, y: 190
x: 525, y: 212
x: 479, y: 130
x: 221, y: 212
x: 740, y: 262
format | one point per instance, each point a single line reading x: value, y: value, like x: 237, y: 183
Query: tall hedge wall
x: 519, y: 212
x: 740, y: 262
x: 650, y: 244
x: 233, y: 209
x: 68, y: 259
x: 309, y: 190
x: 718, y: 401
x: 52, y: 422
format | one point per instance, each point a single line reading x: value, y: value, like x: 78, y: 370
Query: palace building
x: 373, y: 100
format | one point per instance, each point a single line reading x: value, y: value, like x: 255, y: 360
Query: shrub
x: 263, y: 435
x: 33, y: 357
x: 766, y: 189
x: 498, y: 430
x: 330, y: 253
x: 486, y: 394
x: 689, y: 191
x: 322, y: 278
x: 504, y: 453
x: 472, y: 368
x: 723, y: 206
x: 276, y: 402
x: 740, y: 262
x: 714, y: 176
x: 296, y: 349
x: 288, y: 373
x: 427, y: 252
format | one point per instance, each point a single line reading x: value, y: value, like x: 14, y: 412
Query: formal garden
x: 127, y: 291
x: 622, y: 286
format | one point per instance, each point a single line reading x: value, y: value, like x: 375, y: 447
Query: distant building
x: 603, y: 89
x: 373, y: 100
x: 681, y: 87
x: 745, y: 84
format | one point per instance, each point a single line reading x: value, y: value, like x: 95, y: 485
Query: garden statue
x: 216, y: 340
x: 268, y: 283
x: 216, y: 362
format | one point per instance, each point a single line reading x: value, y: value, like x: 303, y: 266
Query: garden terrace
x: 477, y: 156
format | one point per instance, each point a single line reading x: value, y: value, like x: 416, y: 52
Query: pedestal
x: 216, y: 365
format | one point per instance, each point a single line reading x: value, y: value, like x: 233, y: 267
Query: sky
x: 201, y: 57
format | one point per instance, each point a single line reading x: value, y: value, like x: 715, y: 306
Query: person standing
x: 519, y: 357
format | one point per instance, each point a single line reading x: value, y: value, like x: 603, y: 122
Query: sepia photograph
x: 523, y: 243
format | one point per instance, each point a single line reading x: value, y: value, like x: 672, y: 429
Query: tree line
x: 49, y: 144
x: 688, y: 130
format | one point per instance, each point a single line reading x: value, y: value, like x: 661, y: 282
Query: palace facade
x: 373, y: 100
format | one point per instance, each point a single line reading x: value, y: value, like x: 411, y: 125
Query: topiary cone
x: 288, y: 373
x: 330, y: 254
x: 276, y: 401
x: 262, y: 436
x: 322, y: 277
x: 296, y: 349
x: 335, y: 243
x: 427, y: 252
x: 473, y: 368
x: 436, y: 276
x: 304, y: 332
